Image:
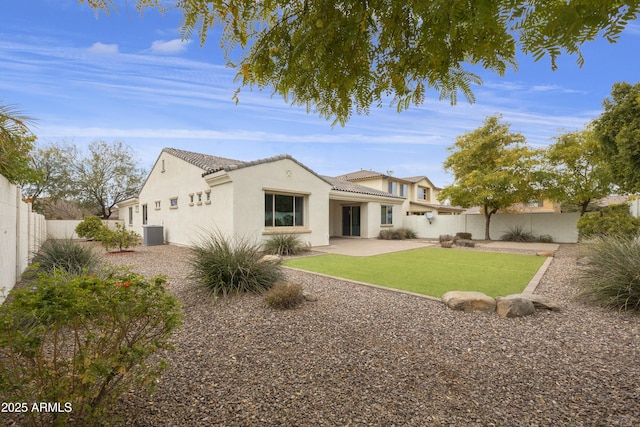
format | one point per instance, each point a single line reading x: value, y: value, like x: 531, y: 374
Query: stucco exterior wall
x: 283, y: 177
x: 185, y: 223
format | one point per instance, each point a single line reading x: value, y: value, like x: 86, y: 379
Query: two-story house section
x: 420, y: 195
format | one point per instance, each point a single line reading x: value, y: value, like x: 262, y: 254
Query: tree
x: 493, y: 168
x: 51, y: 181
x: 340, y: 56
x: 105, y: 176
x: 16, y: 142
x: 575, y: 169
x: 98, y: 179
x: 618, y: 129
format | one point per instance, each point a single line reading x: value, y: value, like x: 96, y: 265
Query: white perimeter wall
x: 561, y: 227
x: 66, y: 229
x: 21, y: 234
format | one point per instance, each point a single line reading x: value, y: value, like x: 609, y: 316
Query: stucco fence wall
x: 21, y: 234
x: 561, y: 227
x: 66, y: 229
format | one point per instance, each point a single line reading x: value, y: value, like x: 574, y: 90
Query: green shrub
x: 385, y: 234
x: 228, y: 266
x: 83, y: 341
x: 612, y: 277
x: 120, y: 238
x: 517, y: 234
x: 611, y: 221
x: 407, y: 233
x: 285, y: 244
x: 90, y: 227
x: 284, y: 295
x: 545, y: 238
x: 397, y: 234
x: 66, y: 255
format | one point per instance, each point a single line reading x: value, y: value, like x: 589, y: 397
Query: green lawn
x: 431, y: 271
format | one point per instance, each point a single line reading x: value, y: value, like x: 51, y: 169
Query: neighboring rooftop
x: 350, y: 187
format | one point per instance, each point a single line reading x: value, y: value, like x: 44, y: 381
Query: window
x: 207, y: 197
x: 199, y: 193
x: 393, y: 187
x: 282, y: 210
x: 131, y: 215
x: 144, y: 214
x: 424, y: 193
x: 173, y: 202
x: 190, y: 199
x: 536, y: 203
x: 386, y: 215
x: 403, y: 190
x: 157, y: 204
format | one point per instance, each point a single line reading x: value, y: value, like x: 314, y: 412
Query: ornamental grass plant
x: 66, y: 255
x: 285, y: 244
x: 227, y: 266
x: 518, y: 234
x: 612, y: 274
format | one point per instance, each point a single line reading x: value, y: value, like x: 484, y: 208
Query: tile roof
x: 207, y: 163
x: 340, y: 184
x: 211, y: 164
x: 361, y: 174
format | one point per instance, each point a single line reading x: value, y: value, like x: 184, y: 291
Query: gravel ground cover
x: 364, y: 356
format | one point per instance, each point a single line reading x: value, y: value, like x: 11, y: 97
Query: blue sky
x: 130, y: 78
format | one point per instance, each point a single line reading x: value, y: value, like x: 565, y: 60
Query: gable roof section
x: 212, y: 164
x: 416, y: 179
x: 359, y: 175
x: 340, y: 184
x: 207, y: 163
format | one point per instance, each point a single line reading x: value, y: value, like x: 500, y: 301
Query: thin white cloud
x: 169, y: 47
x: 103, y: 48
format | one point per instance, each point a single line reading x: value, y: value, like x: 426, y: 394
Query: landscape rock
x: 514, y: 306
x: 541, y: 302
x: 274, y: 259
x: 469, y: 301
x: 546, y: 253
x: 310, y: 297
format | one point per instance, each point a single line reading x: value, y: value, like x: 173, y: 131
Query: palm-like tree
x: 15, y: 142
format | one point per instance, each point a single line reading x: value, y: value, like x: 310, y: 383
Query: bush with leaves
x: 611, y: 276
x: 227, y: 265
x: 66, y: 255
x: 613, y: 220
x: 285, y: 244
x: 517, y: 234
x: 284, y: 296
x: 90, y: 227
x: 397, y: 234
x: 83, y: 340
x: 119, y: 238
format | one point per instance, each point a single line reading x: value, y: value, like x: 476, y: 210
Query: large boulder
x: 514, y: 306
x: 540, y: 302
x: 469, y: 301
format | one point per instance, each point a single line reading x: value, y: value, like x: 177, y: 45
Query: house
x: 190, y: 193
x: 419, y: 194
